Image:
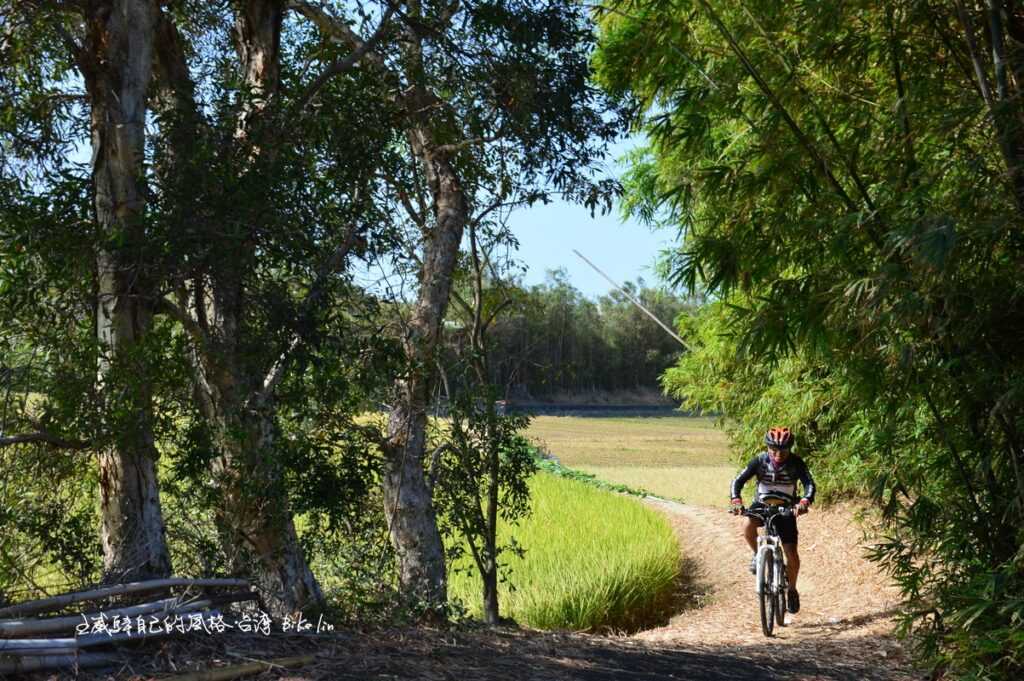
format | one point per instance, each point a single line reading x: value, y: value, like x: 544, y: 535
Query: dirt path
x: 845, y: 622
x: 841, y: 634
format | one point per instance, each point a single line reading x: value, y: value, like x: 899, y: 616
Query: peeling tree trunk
x: 256, y: 524
x: 117, y: 62
x: 408, y: 504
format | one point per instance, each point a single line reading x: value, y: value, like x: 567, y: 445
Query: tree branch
x: 178, y: 314
x: 943, y: 431
x: 895, y: 47
x: 818, y: 114
x: 459, y: 146
x: 435, y: 460
x: 998, y: 49
x: 313, y: 299
x: 495, y: 312
x: 972, y: 47
x: 77, y: 52
x: 461, y: 302
x: 338, y: 66
x: 1011, y: 157
x: 44, y: 438
x: 798, y: 132
x: 403, y: 197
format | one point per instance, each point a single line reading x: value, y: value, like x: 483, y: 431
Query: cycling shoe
x: 793, y: 601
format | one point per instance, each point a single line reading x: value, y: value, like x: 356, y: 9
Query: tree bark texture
x: 408, y: 504
x: 257, y: 528
x: 256, y: 523
x: 117, y: 63
x: 491, y: 610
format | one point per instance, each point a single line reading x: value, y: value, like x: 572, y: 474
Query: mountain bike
x: 771, y: 583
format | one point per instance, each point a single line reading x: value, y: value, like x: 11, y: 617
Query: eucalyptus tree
x: 50, y: 52
x: 846, y: 182
x: 251, y: 209
x: 496, y: 111
x: 270, y: 204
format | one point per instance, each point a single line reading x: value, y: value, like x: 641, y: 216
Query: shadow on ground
x: 517, y: 654
x: 496, y: 654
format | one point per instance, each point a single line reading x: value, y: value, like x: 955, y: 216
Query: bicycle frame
x: 769, y: 548
x: 770, y: 543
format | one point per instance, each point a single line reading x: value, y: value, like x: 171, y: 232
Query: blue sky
x: 625, y: 250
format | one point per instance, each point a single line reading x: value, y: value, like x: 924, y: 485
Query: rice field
x: 681, y: 458
x: 631, y: 440
x: 698, y: 485
x: 594, y: 560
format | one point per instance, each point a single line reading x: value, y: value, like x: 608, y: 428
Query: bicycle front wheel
x: 767, y: 595
x: 780, y: 593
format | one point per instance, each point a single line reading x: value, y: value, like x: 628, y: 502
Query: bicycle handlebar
x: 769, y: 511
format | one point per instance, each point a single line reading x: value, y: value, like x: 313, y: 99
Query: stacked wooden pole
x: 28, y: 643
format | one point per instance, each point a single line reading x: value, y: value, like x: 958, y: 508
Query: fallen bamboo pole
x: 67, y: 645
x: 633, y: 300
x: 62, y: 600
x: 25, y: 653
x: 170, y: 606
x: 238, y: 671
x: 33, y: 664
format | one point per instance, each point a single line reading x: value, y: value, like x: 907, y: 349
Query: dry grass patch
x: 631, y: 440
x: 677, y: 457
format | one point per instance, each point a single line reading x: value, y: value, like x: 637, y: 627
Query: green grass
x: 671, y: 456
x: 594, y: 560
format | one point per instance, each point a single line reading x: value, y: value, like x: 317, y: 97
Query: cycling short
x: 785, y: 525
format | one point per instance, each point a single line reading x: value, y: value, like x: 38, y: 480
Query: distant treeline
x: 557, y: 341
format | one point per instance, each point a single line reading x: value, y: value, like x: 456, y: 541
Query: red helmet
x: 779, y: 437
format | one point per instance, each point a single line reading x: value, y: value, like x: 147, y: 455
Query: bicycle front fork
x: 766, y: 553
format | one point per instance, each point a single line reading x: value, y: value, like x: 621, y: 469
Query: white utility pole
x: 633, y: 300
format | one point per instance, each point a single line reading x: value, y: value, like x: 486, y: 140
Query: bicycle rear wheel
x: 767, y: 597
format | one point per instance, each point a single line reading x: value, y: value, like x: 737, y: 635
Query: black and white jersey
x: 779, y: 482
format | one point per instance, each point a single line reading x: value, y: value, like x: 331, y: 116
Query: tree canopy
x: 187, y: 191
x: 845, y: 179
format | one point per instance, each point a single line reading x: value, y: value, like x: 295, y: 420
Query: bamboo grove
x: 846, y: 179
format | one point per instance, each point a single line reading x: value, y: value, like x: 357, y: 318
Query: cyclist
x: 777, y: 471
